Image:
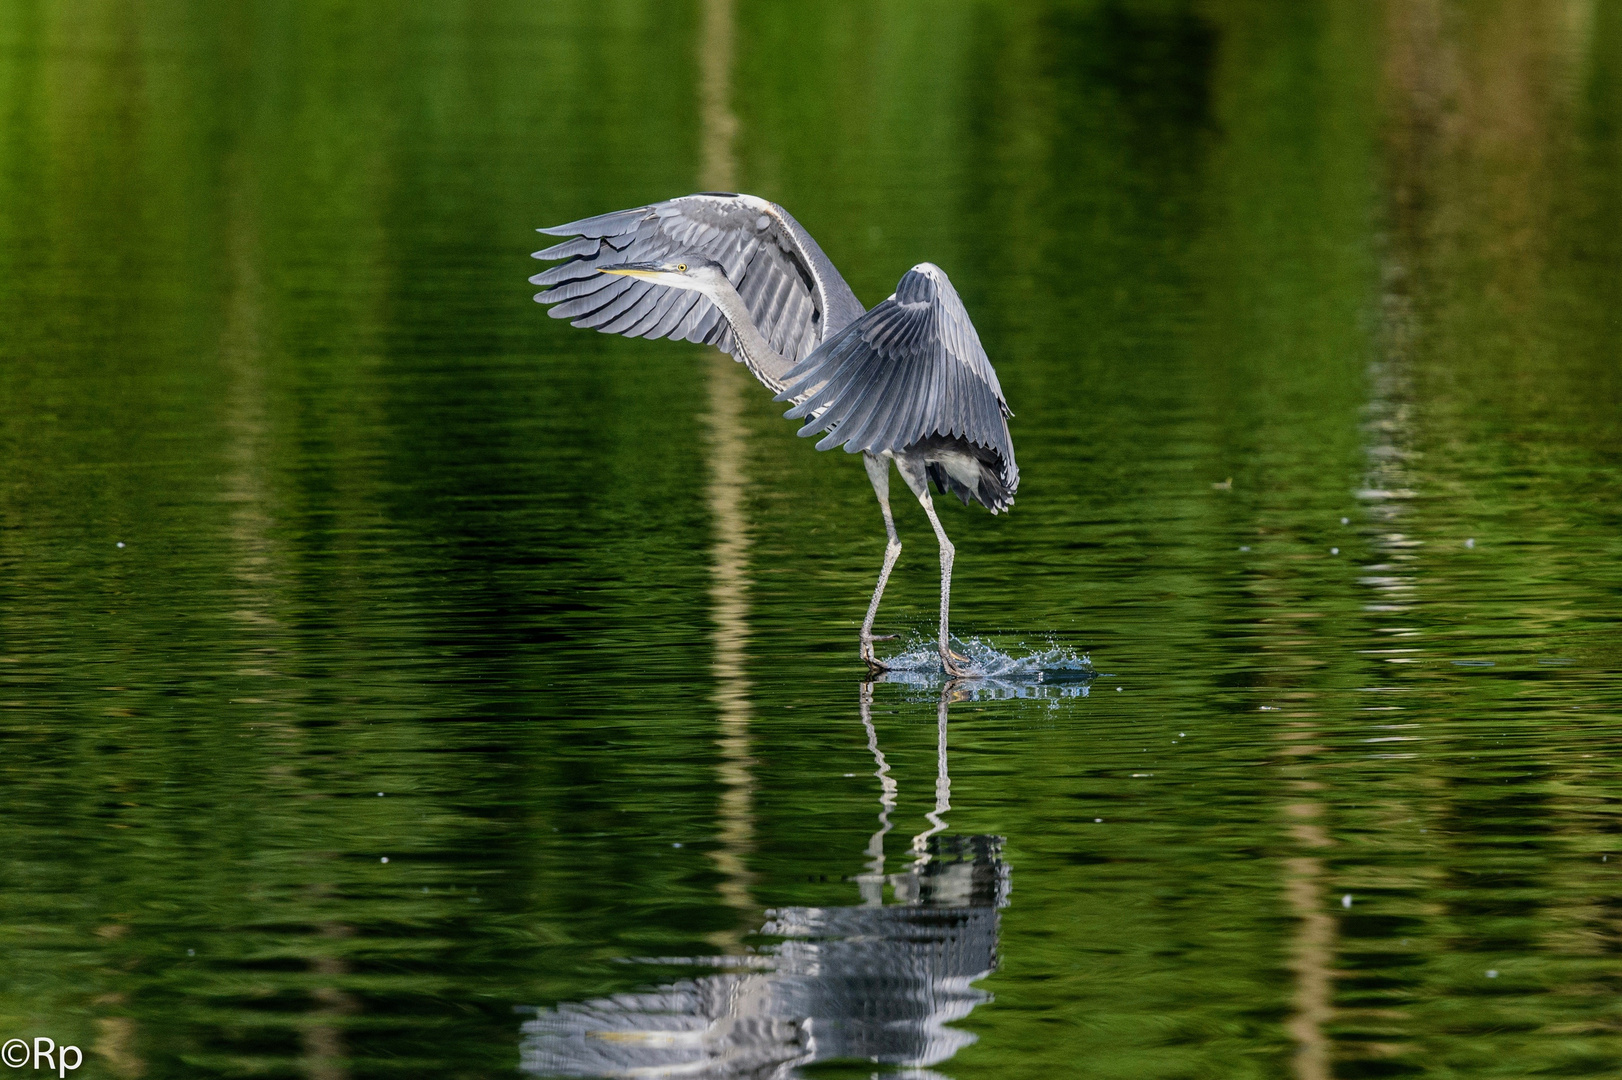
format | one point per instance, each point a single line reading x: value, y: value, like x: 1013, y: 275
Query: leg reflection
x: 943, y: 782
x: 872, y: 882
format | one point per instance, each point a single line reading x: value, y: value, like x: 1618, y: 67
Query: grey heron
x: 906, y: 382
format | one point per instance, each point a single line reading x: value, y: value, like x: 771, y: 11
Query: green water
x: 320, y: 545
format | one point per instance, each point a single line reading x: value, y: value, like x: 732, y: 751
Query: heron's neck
x: 764, y: 362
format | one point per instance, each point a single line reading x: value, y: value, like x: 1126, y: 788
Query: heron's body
x: 906, y: 382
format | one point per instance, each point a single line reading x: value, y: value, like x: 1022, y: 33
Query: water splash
x: 1052, y: 671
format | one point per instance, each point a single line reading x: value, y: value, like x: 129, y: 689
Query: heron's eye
x: 681, y: 268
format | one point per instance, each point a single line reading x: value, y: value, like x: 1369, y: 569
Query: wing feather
x: 794, y: 294
x: 569, y: 290
x: 870, y: 428
x: 909, y: 370
x: 670, y: 326
x: 870, y: 387
x: 586, y: 305
x: 580, y: 245
x: 639, y: 303
x: 846, y: 365
x: 657, y: 306
x: 611, y: 224
x: 611, y: 309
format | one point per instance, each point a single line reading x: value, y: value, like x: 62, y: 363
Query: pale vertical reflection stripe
x: 715, y: 90
x: 1312, y: 952
x: 1312, y: 946
x: 729, y: 558
x: 248, y: 491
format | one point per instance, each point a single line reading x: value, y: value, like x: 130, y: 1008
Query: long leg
x: 912, y: 471
x: 878, y: 471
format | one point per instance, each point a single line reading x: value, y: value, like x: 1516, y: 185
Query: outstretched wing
x: 910, y: 369
x: 795, y: 295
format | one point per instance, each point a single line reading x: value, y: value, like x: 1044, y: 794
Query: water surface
x: 391, y: 677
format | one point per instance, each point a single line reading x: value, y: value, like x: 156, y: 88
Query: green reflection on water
x: 389, y: 529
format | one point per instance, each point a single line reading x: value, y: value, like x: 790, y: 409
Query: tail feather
x: 992, y: 483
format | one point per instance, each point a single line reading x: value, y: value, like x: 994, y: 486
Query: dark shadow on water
x: 873, y: 981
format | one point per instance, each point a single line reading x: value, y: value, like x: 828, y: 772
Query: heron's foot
x: 955, y: 663
x: 869, y: 657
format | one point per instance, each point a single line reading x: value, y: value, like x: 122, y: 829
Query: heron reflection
x: 877, y: 982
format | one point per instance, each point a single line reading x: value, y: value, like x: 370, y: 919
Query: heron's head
x: 694, y: 272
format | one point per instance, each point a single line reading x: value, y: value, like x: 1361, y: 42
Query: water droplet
x: 379, y: 794
x: 1334, y: 551
x: 1118, y: 689
x: 1492, y: 974
x: 1345, y: 521
x: 189, y: 952
x: 1346, y: 901
x: 1244, y: 547
x: 1470, y: 543
x: 1098, y: 821
x: 385, y: 859
x: 121, y: 543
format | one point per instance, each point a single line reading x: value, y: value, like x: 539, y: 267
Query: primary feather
x: 792, y: 290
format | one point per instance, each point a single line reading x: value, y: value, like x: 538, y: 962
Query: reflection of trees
x: 868, y: 982
x: 729, y: 385
x: 1485, y: 367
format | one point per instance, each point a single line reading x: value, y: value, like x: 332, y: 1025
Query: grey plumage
x: 908, y: 373
x: 907, y: 382
x: 792, y: 290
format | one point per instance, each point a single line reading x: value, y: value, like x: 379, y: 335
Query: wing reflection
x: 872, y: 982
